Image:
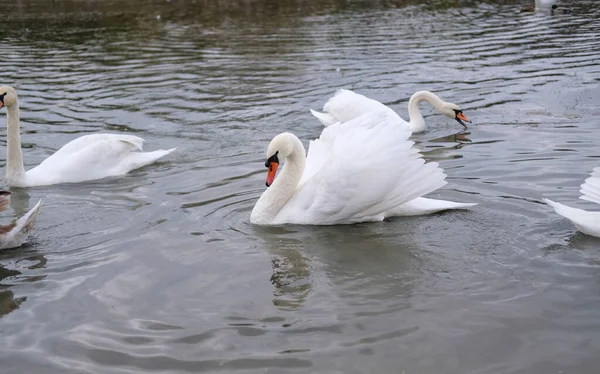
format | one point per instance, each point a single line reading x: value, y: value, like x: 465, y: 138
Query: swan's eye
x: 271, y: 159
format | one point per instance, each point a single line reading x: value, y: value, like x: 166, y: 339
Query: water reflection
x: 359, y: 262
x: 13, y: 265
x: 434, y: 150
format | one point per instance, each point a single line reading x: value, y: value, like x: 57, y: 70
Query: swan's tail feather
x: 325, y: 118
x: 586, y: 222
x: 138, y: 159
x: 27, y: 221
x: 422, y: 206
x: 570, y: 213
x: 15, y: 234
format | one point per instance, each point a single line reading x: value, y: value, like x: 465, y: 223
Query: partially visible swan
x: 540, y: 5
x: 362, y: 170
x: 587, y: 222
x: 16, y: 233
x: 346, y: 105
x: 86, y: 158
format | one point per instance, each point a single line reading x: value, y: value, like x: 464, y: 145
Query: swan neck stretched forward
x: 284, y: 186
x: 14, y: 157
x: 417, y: 123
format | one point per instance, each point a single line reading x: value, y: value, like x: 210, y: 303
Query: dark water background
x: 161, y: 272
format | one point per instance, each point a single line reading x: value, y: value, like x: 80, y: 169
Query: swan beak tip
x: 460, y: 117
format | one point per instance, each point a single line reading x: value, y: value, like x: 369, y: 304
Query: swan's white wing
x: 590, y: 190
x: 97, y: 160
x: 93, y: 157
x: 346, y: 105
x: 586, y: 222
x: 360, y: 170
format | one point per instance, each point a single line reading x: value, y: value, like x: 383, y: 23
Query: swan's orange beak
x: 1, y: 104
x: 461, y: 116
x: 272, y: 171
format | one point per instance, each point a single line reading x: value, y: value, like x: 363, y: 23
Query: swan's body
x: 586, y: 222
x: 346, y: 105
x: 86, y: 158
x: 16, y: 233
x: 358, y: 171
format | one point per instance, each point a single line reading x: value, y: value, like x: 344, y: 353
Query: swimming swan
x: 86, y: 158
x: 346, y: 105
x: 362, y: 170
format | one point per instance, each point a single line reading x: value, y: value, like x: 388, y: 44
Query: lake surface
x: 160, y: 271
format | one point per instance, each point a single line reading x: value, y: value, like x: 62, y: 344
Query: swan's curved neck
x: 14, y: 158
x: 417, y: 123
x: 284, y: 186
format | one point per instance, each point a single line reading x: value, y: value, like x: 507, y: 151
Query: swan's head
x: 454, y: 111
x: 280, y: 147
x: 8, y: 96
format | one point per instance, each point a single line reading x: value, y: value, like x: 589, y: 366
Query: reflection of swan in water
x: 307, y: 259
x: 440, y: 152
x: 8, y: 301
x: 291, y: 274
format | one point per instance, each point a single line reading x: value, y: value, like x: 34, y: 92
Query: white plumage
x: 346, y: 105
x: 16, y: 233
x: 586, y: 222
x: 361, y: 170
x: 86, y: 158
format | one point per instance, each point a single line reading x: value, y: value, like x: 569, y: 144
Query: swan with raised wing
x: 17, y: 232
x: 362, y: 170
x: 586, y: 222
x: 346, y: 105
x: 86, y: 158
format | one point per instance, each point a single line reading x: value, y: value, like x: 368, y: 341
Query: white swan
x: 17, y: 232
x: 86, y: 158
x: 362, y: 170
x: 346, y: 105
x: 587, y: 222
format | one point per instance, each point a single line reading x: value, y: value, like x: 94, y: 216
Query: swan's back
x: 346, y: 105
x: 93, y: 157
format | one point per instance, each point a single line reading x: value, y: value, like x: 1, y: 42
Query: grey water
x: 160, y: 271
